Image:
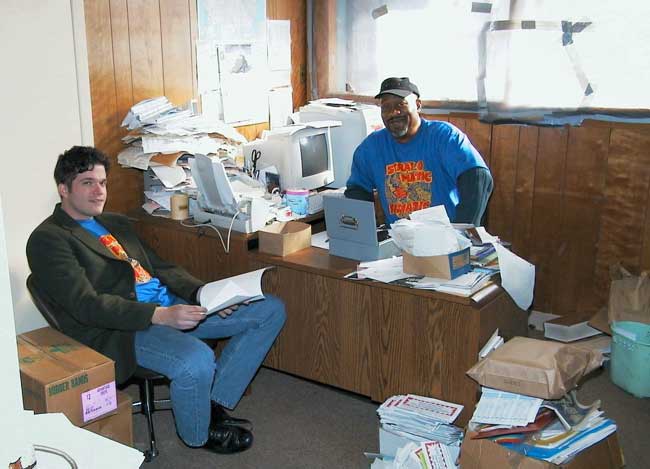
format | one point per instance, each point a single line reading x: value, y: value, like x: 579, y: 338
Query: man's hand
x: 179, y: 316
x: 224, y: 313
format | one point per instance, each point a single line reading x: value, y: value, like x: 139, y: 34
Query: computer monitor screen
x: 313, y: 154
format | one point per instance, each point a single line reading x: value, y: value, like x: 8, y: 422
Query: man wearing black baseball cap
x: 414, y: 163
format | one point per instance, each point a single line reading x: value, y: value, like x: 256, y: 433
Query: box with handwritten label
x: 59, y: 374
x: 118, y: 427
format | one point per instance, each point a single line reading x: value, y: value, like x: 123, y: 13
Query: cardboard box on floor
x: 59, y: 374
x: 118, y: 427
x: 485, y: 454
x: 281, y: 239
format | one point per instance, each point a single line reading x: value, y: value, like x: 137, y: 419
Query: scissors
x: 255, y: 156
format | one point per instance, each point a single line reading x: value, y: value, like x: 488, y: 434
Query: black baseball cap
x: 401, y: 87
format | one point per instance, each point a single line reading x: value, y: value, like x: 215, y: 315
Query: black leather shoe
x: 219, y: 416
x: 228, y: 439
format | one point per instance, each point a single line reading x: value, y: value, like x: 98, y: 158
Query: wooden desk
x: 377, y: 339
x: 367, y: 337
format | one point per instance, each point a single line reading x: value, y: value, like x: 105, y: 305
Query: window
x: 504, y: 55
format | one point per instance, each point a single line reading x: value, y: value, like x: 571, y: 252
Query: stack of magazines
x: 421, y: 418
x: 551, y: 430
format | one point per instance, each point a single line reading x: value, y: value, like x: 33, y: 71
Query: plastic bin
x: 630, y: 364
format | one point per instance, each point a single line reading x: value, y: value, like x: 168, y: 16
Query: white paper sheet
x: 506, y: 408
x: 517, y: 276
x: 383, y: 270
x: 279, y: 32
x: 169, y: 176
x: 571, y: 333
x: 207, y: 64
x: 280, y: 106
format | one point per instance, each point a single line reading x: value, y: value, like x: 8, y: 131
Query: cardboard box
x: 118, y: 427
x: 59, y: 374
x: 485, y: 454
x: 448, y: 266
x: 281, y: 239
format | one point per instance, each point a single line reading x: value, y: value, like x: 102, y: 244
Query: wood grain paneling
x: 504, y: 171
x: 296, y: 12
x: 623, y: 227
x: 146, y: 49
x: 121, y: 56
x: 177, y: 51
x: 524, y: 191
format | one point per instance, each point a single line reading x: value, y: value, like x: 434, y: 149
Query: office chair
x: 143, y: 377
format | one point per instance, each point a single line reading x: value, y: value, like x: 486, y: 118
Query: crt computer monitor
x: 301, y: 155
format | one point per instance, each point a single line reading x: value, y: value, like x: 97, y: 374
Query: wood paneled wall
x: 139, y: 49
x: 572, y: 200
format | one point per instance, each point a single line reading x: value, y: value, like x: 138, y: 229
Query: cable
x: 224, y: 244
x: 64, y: 455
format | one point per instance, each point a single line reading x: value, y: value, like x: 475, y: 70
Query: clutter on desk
x: 417, y: 431
x: 161, y: 139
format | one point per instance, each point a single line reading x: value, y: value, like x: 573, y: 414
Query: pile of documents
x: 426, y: 423
x: 391, y: 270
x: 464, y: 285
x: 554, y: 430
x: 161, y: 138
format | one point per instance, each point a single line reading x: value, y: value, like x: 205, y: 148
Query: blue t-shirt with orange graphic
x: 414, y: 175
x: 148, y: 289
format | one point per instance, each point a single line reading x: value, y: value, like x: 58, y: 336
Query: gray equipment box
x: 352, y: 230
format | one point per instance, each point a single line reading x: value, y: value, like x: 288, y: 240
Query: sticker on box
x: 99, y: 401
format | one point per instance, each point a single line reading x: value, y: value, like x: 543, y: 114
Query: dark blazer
x: 94, y: 290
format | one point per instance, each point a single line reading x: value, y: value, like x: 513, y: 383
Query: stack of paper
x: 464, y: 285
x: 526, y: 425
x: 505, y: 408
x: 146, y: 112
x: 161, y: 138
x: 421, y: 418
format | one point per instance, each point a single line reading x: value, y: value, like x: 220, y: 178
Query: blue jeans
x: 196, y: 377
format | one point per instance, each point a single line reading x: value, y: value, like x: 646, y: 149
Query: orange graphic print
x: 113, y: 245
x: 408, y: 187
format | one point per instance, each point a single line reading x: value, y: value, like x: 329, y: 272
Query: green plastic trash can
x: 630, y: 362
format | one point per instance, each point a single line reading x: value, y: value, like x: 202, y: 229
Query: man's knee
x: 276, y: 310
x: 199, y: 362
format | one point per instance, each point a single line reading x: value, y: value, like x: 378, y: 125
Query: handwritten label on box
x: 98, y: 401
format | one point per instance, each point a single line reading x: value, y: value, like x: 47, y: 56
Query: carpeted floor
x: 300, y: 424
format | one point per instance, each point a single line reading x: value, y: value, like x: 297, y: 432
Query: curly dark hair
x: 78, y: 160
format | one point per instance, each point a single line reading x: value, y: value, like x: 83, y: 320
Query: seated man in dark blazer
x: 118, y: 297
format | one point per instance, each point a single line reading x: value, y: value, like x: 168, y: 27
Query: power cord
x: 224, y: 244
x: 58, y: 452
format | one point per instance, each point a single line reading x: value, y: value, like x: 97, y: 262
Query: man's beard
x: 398, y: 126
